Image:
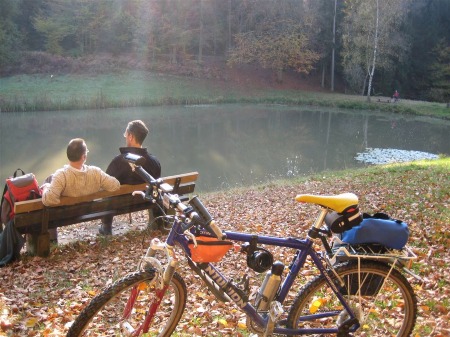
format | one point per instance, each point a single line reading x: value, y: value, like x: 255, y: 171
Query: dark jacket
x: 121, y: 169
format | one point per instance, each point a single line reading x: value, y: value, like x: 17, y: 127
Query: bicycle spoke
x: 381, y: 299
x: 122, y: 309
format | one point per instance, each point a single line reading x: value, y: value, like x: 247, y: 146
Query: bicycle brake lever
x: 138, y: 193
x: 192, y: 236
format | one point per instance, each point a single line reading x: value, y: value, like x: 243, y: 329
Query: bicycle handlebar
x: 197, y: 213
x: 137, y: 161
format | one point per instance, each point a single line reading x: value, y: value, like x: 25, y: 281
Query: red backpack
x: 18, y: 188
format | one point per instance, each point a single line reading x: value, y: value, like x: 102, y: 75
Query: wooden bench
x: 34, y: 219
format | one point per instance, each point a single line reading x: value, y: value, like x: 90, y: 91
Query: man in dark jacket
x: 135, y: 134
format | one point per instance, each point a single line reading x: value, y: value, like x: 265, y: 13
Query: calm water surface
x: 229, y: 145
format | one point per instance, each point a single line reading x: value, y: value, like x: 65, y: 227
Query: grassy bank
x: 41, y: 297
x: 127, y: 89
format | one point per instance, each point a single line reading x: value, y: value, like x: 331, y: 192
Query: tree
x: 10, y: 37
x: 440, y: 73
x: 279, y: 47
x: 333, y: 46
x: 372, y: 39
x: 321, y: 17
x: 429, y: 27
x: 28, y: 9
x: 54, y: 33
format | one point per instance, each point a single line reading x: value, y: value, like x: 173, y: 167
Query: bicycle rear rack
x: 343, y: 252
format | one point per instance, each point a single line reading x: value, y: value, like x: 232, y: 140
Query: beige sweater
x: 71, y: 182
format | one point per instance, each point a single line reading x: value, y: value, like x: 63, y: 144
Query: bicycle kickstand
x: 275, y: 311
x: 344, y: 328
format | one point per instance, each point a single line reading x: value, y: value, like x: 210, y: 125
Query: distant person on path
x: 396, y: 96
x: 75, y: 179
x: 134, y: 134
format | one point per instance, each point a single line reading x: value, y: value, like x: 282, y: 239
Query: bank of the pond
x: 130, y: 89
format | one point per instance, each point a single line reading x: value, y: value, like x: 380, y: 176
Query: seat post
x: 314, y: 231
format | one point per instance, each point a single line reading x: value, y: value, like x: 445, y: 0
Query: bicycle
x: 359, y: 290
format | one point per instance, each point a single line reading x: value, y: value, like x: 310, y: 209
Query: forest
x: 370, y: 47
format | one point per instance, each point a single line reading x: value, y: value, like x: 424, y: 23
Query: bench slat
x: 187, y: 185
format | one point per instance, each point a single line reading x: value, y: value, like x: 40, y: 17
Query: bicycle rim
x: 382, y: 299
x: 112, y: 313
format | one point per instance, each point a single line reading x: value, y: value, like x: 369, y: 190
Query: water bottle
x: 269, y: 287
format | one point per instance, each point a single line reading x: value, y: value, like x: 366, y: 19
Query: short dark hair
x: 76, y: 149
x: 138, y: 129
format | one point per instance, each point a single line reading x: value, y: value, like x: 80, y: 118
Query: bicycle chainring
x: 253, y: 327
x: 256, y: 329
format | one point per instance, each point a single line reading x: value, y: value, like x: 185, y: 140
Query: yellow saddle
x: 337, y: 203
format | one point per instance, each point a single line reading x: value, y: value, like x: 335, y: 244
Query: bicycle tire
x: 389, y: 308
x: 102, y: 316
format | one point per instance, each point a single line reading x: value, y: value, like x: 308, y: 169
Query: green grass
x: 421, y: 187
x: 132, y: 88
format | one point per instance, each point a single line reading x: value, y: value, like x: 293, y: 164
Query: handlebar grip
x: 201, y: 209
x: 134, y: 159
x: 208, y: 221
x: 138, y: 161
x: 217, y: 231
x: 144, y: 175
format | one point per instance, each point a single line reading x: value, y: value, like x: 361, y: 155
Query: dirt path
x: 88, y: 231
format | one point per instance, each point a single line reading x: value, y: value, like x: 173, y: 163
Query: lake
x: 229, y: 145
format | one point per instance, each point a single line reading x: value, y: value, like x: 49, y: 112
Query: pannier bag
x: 209, y: 249
x: 378, y: 228
x: 341, y: 222
x: 18, y: 188
x: 364, y: 284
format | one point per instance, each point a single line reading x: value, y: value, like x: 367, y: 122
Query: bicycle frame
x: 265, y: 313
x: 224, y: 286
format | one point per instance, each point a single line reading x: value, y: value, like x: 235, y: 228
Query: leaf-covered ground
x: 41, y: 297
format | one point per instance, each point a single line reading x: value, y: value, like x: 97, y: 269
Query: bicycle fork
x: 162, y: 279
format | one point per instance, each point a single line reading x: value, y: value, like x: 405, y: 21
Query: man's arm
x: 51, y: 192
x: 115, y: 168
x: 107, y: 182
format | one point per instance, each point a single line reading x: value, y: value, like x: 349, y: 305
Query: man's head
x: 76, y: 150
x: 135, y: 133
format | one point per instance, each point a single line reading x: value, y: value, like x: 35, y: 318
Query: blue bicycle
x: 358, y: 290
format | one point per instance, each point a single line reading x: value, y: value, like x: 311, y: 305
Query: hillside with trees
x: 372, y: 47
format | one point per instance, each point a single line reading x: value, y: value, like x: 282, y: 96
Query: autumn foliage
x: 275, y: 48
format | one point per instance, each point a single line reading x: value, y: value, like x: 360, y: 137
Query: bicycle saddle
x: 337, y: 203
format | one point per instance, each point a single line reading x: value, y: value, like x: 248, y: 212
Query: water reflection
x: 228, y: 144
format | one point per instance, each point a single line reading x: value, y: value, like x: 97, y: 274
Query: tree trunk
x: 323, y: 76
x: 334, y: 46
x: 229, y: 25
x: 280, y: 75
x: 174, y: 54
x: 200, y: 38
x: 372, y: 70
x: 363, y: 90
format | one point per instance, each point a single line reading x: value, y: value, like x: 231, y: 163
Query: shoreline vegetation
x: 26, y: 93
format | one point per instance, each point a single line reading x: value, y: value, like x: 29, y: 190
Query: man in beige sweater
x: 76, y: 179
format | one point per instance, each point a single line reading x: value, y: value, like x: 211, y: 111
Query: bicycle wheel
x: 104, y: 316
x: 382, y: 299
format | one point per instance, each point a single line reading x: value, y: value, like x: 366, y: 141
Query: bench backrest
x: 32, y: 213
x: 183, y: 184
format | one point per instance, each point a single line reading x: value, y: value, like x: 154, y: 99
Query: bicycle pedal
x: 275, y: 310
x: 127, y: 329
